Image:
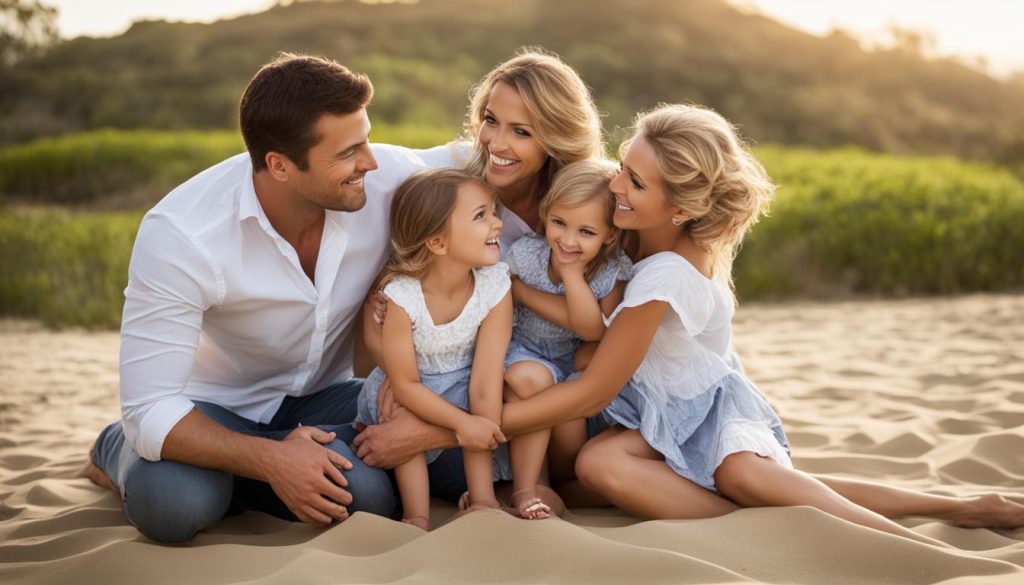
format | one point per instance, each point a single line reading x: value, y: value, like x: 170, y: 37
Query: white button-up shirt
x: 218, y: 308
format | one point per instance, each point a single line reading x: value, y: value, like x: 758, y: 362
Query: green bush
x: 845, y: 222
x: 128, y: 169
x: 64, y: 268
x: 851, y: 222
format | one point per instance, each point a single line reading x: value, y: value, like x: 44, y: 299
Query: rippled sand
x: 927, y: 394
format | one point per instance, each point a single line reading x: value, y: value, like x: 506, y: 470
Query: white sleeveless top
x: 449, y: 346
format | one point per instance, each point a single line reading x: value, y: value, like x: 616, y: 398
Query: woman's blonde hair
x: 581, y: 182
x: 709, y: 174
x: 421, y: 209
x: 563, y: 115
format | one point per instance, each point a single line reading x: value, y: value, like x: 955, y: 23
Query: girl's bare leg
x: 754, y: 481
x: 414, y: 487
x: 622, y: 467
x: 480, y: 479
x: 985, y: 511
x: 526, y: 452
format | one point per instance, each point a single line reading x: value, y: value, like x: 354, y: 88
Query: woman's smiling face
x: 514, y: 156
x: 640, y: 199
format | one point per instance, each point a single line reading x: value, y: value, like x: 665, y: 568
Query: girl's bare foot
x: 421, y: 522
x: 529, y: 506
x: 468, y: 505
x: 989, y: 511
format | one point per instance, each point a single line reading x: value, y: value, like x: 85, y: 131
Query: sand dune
x: 926, y: 394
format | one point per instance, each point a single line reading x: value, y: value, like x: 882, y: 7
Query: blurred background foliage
x: 899, y: 175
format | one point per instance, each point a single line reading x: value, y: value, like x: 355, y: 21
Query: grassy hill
x: 782, y: 85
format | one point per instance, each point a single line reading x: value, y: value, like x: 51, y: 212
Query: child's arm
x: 487, y: 378
x: 586, y: 313
x: 367, y: 346
x: 549, y: 306
x: 399, y: 361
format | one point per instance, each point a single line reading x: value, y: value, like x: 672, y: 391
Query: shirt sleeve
x: 495, y: 283
x: 688, y: 295
x: 171, y: 282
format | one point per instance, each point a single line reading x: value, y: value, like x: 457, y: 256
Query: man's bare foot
x: 96, y: 475
x: 421, y: 522
x: 989, y: 511
x: 528, y: 506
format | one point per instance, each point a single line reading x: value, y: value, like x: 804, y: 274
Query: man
x: 244, y: 292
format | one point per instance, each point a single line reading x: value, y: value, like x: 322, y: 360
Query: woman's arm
x: 487, y: 378
x: 620, y: 353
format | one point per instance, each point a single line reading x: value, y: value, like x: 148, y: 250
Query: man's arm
x: 171, y: 284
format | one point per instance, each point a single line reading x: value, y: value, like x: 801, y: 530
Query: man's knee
x: 170, y: 501
x: 370, y: 487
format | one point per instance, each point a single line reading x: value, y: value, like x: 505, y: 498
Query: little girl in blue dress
x: 569, y: 278
x: 446, y: 330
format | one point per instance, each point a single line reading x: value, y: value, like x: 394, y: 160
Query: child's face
x: 639, y: 190
x: 577, y: 233
x: 474, y: 227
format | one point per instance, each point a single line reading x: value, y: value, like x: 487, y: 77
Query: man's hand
x: 479, y: 433
x: 386, y: 403
x: 406, y: 435
x: 306, y: 476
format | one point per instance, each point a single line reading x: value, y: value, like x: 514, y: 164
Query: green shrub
x: 851, y: 222
x: 128, y: 169
x: 63, y: 268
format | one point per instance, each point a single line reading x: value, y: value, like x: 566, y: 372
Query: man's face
x: 338, y: 163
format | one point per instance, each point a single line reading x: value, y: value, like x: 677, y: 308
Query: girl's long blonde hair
x: 582, y: 182
x: 564, y: 118
x: 421, y: 209
x: 709, y: 174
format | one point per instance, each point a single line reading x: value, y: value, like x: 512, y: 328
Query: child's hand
x: 378, y: 304
x: 573, y: 270
x: 479, y: 433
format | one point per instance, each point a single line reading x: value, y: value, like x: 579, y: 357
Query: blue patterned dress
x: 688, y: 398
x: 538, y: 340
x: 444, y: 353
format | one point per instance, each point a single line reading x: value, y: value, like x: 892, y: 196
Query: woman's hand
x: 479, y: 433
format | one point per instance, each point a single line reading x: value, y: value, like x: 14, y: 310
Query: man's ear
x: 279, y: 166
x: 438, y: 245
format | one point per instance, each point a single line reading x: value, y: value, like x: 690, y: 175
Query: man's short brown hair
x: 284, y: 100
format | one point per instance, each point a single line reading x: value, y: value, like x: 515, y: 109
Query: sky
x: 968, y: 28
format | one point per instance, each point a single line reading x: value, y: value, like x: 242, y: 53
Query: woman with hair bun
x: 687, y: 434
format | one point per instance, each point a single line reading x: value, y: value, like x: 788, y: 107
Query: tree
x: 26, y: 27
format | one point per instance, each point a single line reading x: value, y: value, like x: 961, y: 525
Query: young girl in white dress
x: 567, y: 280
x: 447, y: 327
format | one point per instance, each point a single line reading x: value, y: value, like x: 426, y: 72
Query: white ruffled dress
x: 444, y: 353
x: 688, y: 398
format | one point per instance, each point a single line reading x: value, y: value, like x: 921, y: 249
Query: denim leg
x: 448, y: 476
x: 370, y: 487
x: 334, y: 405
x: 166, y: 500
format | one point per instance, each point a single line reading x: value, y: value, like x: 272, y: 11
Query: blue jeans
x: 170, y: 501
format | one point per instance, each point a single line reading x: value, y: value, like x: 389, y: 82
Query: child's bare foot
x: 989, y: 511
x: 468, y: 505
x: 96, y: 475
x: 529, y: 506
x: 421, y: 522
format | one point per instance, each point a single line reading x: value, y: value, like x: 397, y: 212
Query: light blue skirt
x: 561, y: 366
x: 453, y: 387
x: 696, y: 434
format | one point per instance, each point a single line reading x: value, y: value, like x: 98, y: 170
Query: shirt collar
x: 249, y: 204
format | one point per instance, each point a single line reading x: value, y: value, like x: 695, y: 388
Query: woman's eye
x: 522, y: 132
x: 489, y: 119
x: 636, y: 183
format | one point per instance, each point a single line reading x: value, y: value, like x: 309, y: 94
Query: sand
x: 926, y: 394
